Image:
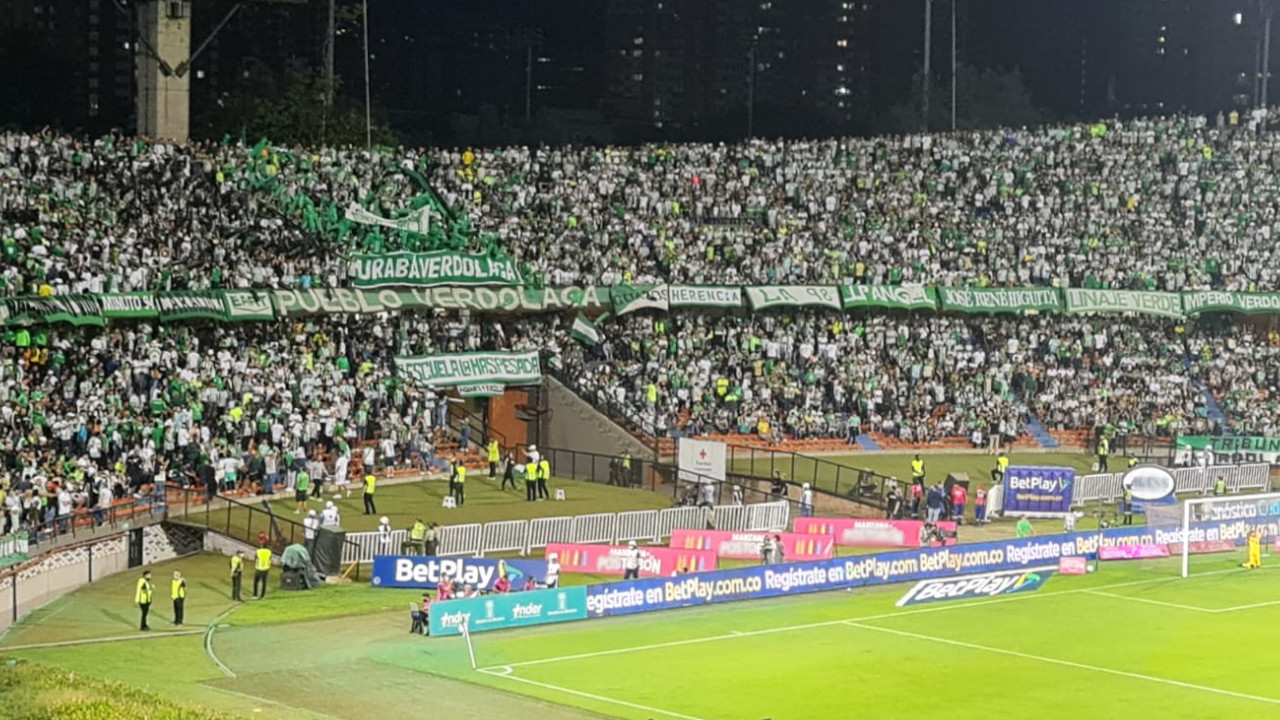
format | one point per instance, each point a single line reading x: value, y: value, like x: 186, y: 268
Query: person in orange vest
x: 959, y: 496
x: 980, y: 506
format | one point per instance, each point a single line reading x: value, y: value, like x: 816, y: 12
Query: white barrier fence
x: 525, y: 536
x: 1239, y: 478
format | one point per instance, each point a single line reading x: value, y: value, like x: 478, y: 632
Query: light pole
x: 368, y: 112
x: 928, y: 63
x: 953, y: 64
x: 751, y: 89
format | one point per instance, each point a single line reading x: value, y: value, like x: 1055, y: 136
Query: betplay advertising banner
x: 517, y: 609
x: 976, y: 586
x: 418, y: 571
x: 1038, y: 491
x: 611, y: 559
x: 867, y: 532
x: 746, y: 545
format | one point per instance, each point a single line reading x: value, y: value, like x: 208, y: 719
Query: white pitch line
x: 94, y: 641
x: 1068, y: 663
x: 208, y: 641
x: 1148, y: 601
x: 1246, y: 607
x: 587, y: 695
x: 266, y: 701
x: 941, y: 607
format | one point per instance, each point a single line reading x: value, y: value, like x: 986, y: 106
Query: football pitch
x: 1131, y: 639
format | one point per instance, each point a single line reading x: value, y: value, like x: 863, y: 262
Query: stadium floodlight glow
x: 1224, y: 507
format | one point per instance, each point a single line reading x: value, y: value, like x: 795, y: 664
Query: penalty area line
x: 509, y: 675
x: 737, y: 634
x: 266, y: 701
x: 1066, y: 663
x: 95, y: 641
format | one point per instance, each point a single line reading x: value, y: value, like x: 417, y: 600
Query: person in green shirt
x: 301, y: 487
x: 1023, y: 529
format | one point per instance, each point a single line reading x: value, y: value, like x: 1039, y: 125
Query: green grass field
x: 404, y: 503
x: 1130, y: 640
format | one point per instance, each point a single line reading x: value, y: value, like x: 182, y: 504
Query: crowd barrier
x: 525, y: 536
x: 1239, y: 478
x: 747, y: 583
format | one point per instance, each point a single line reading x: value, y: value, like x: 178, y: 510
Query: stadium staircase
x: 866, y: 442
x: 1041, y: 435
x: 1213, y: 411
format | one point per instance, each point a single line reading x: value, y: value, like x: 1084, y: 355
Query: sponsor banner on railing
x: 1231, y: 449
x: 1133, y: 552
x: 478, y: 368
x: 866, y: 532
x: 418, y: 571
x: 1000, y: 300
x: 746, y: 545
x: 1073, y: 566
x: 1164, y: 304
x: 611, y: 559
x: 988, y: 585
x: 633, y: 596
x: 441, y: 267
x: 1038, y: 491
x: 902, y: 297
x: 1217, y: 301
x: 517, y: 609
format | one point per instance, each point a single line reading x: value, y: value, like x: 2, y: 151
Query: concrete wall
x: 45, y: 579
x: 163, y: 98
x: 572, y: 424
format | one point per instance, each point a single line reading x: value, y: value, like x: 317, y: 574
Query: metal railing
x: 90, y: 522
x: 860, y: 485
x: 1239, y: 478
x: 524, y: 536
x: 241, y: 521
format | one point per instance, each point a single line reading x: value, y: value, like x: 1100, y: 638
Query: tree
x: 984, y: 99
x: 289, y: 112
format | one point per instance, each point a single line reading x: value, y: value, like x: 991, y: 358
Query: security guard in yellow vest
x: 261, y: 566
x: 178, y: 593
x: 626, y: 468
x: 142, y: 596
x: 917, y: 470
x: 370, y: 483
x: 530, y: 481
x: 1104, y: 449
x: 237, y: 574
x: 1220, y: 486
x: 417, y: 538
x: 1133, y: 462
x: 544, y: 474
x: 495, y: 454
x: 459, y: 489
x: 1002, y: 464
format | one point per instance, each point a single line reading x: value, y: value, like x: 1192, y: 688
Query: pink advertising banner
x: 1073, y: 566
x: 865, y: 532
x: 746, y: 545
x: 608, y: 559
x: 1133, y: 552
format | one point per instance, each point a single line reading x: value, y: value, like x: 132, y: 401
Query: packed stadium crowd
x: 1173, y: 204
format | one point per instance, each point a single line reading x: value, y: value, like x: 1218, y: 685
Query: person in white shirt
x: 384, y: 535
x: 631, y: 562
x: 552, y: 579
x: 806, y: 500
x: 309, y: 526
x: 329, y: 516
x: 341, y: 475
x: 388, y: 454
x: 737, y: 495
x: 367, y: 459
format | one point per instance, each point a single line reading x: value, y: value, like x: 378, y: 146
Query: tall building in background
x: 68, y: 63
x: 723, y: 68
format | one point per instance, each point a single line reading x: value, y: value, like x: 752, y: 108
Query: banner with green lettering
x: 765, y: 297
x: 441, y: 267
x: 128, y: 305
x: 248, y: 305
x: 630, y: 298
x: 1000, y: 300
x: 708, y: 296
x: 74, y: 309
x: 906, y: 297
x: 1163, y: 304
x: 1228, y: 450
x: 1215, y: 301
x: 471, y: 369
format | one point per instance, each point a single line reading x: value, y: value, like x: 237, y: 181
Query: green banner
x: 479, y: 368
x: 630, y: 298
x: 484, y: 300
x: 1215, y: 301
x: 905, y: 297
x: 482, y: 390
x: 442, y: 267
x: 191, y: 305
x: 710, y: 296
x: 1000, y: 300
x: 74, y: 309
x: 1228, y: 450
x: 128, y: 305
x: 1163, y: 304
x: 765, y: 297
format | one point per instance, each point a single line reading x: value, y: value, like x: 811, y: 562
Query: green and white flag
x: 418, y: 221
x: 764, y: 297
x: 189, y: 305
x: 478, y: 368
x: 584, y: 331
x: 442, y: 267
x: 482, y: 390
x: 247, y: 305
x: 906, y: 297
x: 630, y: 298
x: 704, y: 296
x: 1000, y: 300
x: 1163, y: 304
